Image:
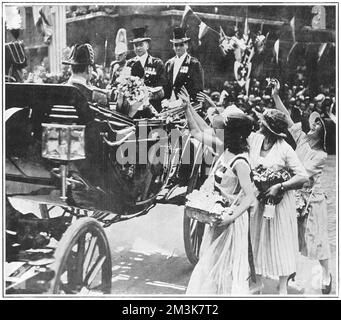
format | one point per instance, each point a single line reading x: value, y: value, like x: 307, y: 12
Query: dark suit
x: 190, y: 75
x: 153, y: 74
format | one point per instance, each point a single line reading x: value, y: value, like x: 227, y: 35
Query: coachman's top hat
x: 81, y: 54
x: 179, y: 35
x: 140, y: 35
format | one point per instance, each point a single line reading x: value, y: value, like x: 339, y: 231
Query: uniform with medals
x: 189, y: 74
x: 153, y: 70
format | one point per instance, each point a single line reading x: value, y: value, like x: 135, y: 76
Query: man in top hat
x: 183, y: 69
x: 146, y: 67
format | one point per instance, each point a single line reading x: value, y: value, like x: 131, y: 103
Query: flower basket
x: 206, y: 207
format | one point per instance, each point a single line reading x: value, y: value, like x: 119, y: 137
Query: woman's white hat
x: 312, y: 118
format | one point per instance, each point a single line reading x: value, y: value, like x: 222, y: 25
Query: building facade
x: 98, y: 25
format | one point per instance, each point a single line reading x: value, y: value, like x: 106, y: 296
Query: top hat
x: 140, y: 35
x: 275, y: 121
x: 179, y: 35
x: 81, y: 54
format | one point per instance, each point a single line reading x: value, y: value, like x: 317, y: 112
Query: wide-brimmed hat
x: 231, y: 112
x: 320, y: 97
x: 274, y: 120
x: 179, y: 35
x: 140, y: 35
x: 81, y: 54
x: 312, y: 118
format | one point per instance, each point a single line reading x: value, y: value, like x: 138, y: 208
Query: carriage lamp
x: 63, y: 143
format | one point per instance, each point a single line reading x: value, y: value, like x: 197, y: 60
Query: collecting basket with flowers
x: 206, y: 207
x: 264, y: 178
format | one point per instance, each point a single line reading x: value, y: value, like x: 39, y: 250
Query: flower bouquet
x: 206, y: 207
x: 264, y: 178
x: 132, y: 95
x: 302, y: 206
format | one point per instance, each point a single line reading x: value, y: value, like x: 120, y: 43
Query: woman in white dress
x: 223, y: 267
x: 275, y: 241
x: 313, y: 227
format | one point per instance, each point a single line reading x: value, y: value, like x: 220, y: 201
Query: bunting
x: 246, y: 44
x: 188, y: 11
x: 203, y: 28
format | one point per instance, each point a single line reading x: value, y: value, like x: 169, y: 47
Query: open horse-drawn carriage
x: 78, y: 167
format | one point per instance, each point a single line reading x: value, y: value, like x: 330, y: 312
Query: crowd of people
x: 296, y: 95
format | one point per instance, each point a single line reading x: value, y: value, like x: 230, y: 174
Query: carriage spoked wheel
x: 82, y: 260
x: 193, y: 229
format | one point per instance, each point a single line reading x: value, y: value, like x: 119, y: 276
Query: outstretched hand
x: 205, y: 99
x: 185, y: 98
x: 276, y: 87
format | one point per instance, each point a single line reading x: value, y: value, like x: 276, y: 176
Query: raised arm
x: 279, y: 104
x: 199, y: 129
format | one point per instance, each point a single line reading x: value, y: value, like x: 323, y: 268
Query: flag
x: 188, y: 11
x: 276, y: 49
x: 322, y: 48
x: 203, y: 28
x: 223, y: 42
x: 41, y: 20
x: 12, y: 18
x: 291, y: 50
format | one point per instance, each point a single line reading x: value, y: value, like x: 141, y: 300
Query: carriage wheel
x: 82, y: 260
x: 193, y: 229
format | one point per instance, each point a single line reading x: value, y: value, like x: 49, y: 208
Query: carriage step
x: 105, y: 217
